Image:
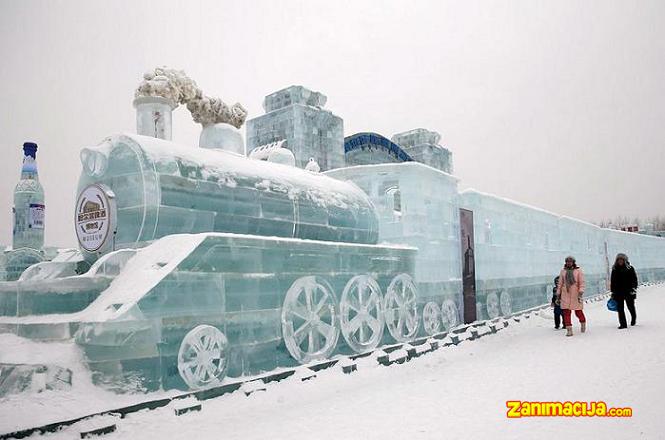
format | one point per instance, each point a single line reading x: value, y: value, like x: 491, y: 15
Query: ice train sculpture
x: 294, y: 263
x: 198, y: 263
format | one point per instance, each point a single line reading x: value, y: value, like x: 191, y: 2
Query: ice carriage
x: 503, y: 258
x: 417, y: 206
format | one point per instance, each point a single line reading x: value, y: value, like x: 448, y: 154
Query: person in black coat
x: 623, y: 285
x: 556, y: 303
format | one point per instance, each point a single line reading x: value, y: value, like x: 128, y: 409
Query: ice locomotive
x: 249, y: 266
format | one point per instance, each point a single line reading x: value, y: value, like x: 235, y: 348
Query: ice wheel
x: 202, y: 357
x: 361, y: 313
x: 449, y: 315
x: 309, y: 319
x: 432, y: 318
x: 506, y: 303
x: 492, y: 305
x: 400, y: 308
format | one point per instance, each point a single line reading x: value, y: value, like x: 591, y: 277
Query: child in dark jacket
x: 558, y: 313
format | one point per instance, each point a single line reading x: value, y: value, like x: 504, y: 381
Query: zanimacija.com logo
x: 518, y: 409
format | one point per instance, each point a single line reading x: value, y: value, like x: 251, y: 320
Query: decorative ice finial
x: 312, y: 166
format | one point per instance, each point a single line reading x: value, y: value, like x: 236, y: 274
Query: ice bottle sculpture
x: 29, y: 204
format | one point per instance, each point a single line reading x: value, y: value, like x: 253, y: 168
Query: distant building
x: 296, y: 120
x: 372, y: 148
x: 417, y: 145
x: 423, y: 146
x: 296, y: 115
x: 630, y: 228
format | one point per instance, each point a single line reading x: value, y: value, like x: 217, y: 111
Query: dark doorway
x: 468, y: 265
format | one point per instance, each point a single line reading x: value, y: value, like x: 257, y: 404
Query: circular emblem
x: 94, y: 217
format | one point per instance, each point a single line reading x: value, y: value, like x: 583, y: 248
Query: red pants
x: 566, y: 317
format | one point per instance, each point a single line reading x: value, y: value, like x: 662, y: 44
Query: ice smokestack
x: 154, y: 116
x: 163, y: 89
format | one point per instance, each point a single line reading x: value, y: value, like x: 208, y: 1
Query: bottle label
x: 36, y: 216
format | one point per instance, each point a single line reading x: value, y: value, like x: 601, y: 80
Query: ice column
x: 154, y: 116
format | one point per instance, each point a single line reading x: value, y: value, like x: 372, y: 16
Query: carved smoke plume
x: 206, y: 110
x: 178, y: 88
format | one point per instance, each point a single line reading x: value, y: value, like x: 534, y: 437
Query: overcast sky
x: 558, y: 104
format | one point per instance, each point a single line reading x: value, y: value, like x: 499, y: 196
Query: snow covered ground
x: 455, y: 392
x: 27, y: 410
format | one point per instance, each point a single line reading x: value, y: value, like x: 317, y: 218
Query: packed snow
x: 454, y: 392
x: 26, y: 410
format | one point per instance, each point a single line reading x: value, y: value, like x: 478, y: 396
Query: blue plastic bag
x: 611, y: 305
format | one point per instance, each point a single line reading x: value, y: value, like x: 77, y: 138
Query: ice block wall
x: 520, y: 249
x: 646, y: 253
x: 161, y: 189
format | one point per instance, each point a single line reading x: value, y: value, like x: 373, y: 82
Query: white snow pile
x: 26, y: 410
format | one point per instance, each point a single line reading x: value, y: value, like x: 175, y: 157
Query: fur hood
x: 569, y: 257
x: 624, y: 257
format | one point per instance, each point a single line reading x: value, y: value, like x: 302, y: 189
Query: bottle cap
x: 30, y: 149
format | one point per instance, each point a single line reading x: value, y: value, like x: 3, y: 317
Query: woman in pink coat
x: 570, y: 292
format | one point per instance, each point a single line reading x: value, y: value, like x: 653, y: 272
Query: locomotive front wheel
x: 309, y: 319
x: 361, y: 313
x: 432, y: 318
x: 401, y: 308
x: 202, y: 358
x: 449, y: 314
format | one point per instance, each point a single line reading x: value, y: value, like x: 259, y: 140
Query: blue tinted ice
x: 163, y: 189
